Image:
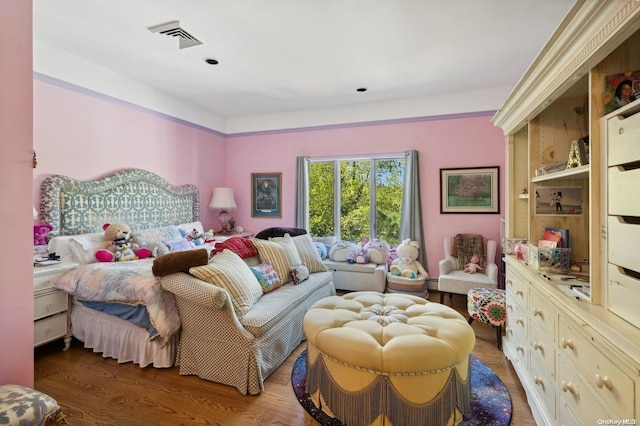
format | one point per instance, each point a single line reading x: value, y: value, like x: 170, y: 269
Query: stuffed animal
x: 362, y: 256
x: 124, y: 252
x: 407, y: 265
x: 378, y: 251
x: 118, y: 235
x: 473, y: 266
x: 195, y: 236
x: 41, y: 234
x: 344, y: 252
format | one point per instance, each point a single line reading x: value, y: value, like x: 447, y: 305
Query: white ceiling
x: 290, y: 55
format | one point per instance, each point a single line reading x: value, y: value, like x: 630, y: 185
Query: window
x: 353, y: 198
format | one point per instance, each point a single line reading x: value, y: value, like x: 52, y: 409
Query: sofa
x: 228, y: 340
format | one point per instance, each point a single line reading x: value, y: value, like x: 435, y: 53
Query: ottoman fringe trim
x: 362, y: 407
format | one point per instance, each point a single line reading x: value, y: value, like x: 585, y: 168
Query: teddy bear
x: 41, y: 234
x: 378, y: 251
x: 118, y: 246
x: 407, y: 265
x: 472, y: 267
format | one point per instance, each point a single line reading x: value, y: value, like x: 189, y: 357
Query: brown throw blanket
x: 179, y: 261
x: 463, y: 246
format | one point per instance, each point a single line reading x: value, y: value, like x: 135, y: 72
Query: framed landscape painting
x: 266, y: 190
x: 469, y: 190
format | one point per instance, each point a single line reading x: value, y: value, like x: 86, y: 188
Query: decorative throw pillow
x: 299, y: 273
x: 243, y: 247
x: 267, y: 277
x: 281, y: 254
x: 229, y: 271
x: 307, y: 251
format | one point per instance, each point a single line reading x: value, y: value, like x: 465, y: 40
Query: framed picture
x: 621, y: 89
x: 469, y: 190
x: 558, y: 200
x: 266, y: 192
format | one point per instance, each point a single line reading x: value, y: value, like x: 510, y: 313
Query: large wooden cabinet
x: 577, y: 354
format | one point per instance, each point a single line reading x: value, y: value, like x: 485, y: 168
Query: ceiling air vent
x: 173, y: 29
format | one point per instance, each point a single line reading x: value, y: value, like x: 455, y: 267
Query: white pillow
x: 84, y: 246
x: 61, y: 246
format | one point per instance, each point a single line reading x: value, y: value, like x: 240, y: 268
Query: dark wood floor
x: 96, y: 391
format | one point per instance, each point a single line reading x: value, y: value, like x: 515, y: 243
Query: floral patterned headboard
x: 139, y: 198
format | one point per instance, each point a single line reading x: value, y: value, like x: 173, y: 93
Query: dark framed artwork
x: 470, y: 190
x: 266, y: 193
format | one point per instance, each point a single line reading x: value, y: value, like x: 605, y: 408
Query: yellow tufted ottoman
x: 388, y: 359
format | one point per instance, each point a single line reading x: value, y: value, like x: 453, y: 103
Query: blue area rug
x: 490, y: 399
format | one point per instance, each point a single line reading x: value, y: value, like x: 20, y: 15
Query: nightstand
x: 51, y: 305
x: 221, y: 237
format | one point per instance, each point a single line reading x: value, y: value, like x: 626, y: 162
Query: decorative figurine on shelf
x: 472, y: 267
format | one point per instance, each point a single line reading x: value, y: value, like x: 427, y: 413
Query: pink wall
x: 84, y: 136
x: 470, y: 141
x: 16, y: 124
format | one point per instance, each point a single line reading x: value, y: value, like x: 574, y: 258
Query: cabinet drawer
x: 600, y: 372
x: 623, y: 240
x: 543, y: 385
x: 623, y: 186
x: 50, y: 303
x: 623, y: 135
x: 518, y: 288
x: 564, y: 416
x: 50, y: 329
x: 543, y: 313
x: 47, y: 280
x: 542, y: 347
x: 575, y: 392
x: 623, y: 292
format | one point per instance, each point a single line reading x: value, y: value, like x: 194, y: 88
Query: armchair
x: 453, y: 279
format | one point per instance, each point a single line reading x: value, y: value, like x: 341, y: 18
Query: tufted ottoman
x: 385, y: 359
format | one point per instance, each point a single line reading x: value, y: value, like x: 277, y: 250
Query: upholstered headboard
x: 136, y: 197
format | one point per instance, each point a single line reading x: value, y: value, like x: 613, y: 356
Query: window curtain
x: 411, y: 217
x: 302, y: 193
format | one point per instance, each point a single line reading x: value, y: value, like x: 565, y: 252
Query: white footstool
x: 394, y: 359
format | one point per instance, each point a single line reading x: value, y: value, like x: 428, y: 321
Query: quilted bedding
x: 129, y: 283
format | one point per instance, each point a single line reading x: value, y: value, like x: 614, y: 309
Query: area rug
x: 490, y: 399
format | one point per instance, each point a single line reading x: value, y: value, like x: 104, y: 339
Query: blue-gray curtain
x: 302, y: 193
x: 411, y: 217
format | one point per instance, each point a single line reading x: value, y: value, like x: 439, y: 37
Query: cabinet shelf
x: 581, y: 172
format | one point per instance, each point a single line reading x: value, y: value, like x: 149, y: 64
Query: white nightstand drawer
x: 50, y: 329
x: 50, y: 303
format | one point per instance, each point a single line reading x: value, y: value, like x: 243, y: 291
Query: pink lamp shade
x: 223, y: 199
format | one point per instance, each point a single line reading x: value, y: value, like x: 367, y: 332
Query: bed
x: 77, y: 211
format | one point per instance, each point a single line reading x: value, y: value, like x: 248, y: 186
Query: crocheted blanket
x: 464, y: 246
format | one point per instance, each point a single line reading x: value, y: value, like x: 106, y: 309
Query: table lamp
x: 223, y: 199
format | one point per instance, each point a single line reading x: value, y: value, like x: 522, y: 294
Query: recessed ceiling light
x: 361, y: 89
x: 211, y: 61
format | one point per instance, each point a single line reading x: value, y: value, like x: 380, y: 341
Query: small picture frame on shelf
x: 620, y: 90
x: 558, y: 200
